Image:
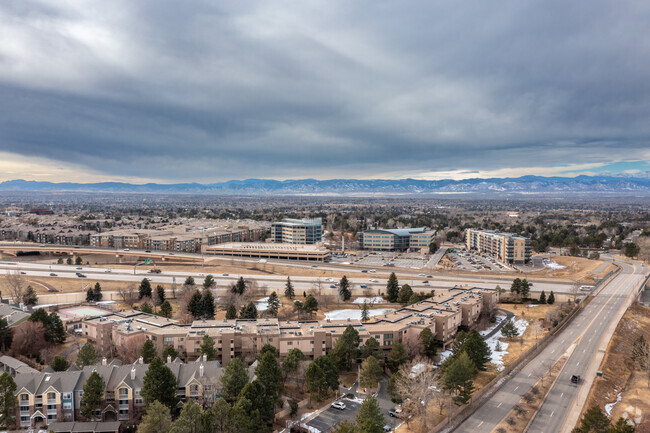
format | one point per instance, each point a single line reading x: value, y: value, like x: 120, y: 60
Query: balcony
x: 123, y: 417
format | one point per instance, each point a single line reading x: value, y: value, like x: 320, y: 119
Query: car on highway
x: 338, y: 405
x: 148, y: 279
x: 314, y: 266
x: 52, y: 274
x: 147, y: 251
x: 425, y: 282
x: 225, y: 275
x: 127, y: 249
x: 363, y: 286
x: 79, y: 268
x: 575, y: 379
x: 332, y: 286
x: 108, y: 270
x: 365, y: 271
x: 23, y: 273
x: 171, y: 254
x: 200, y: 275
x: 372, y: 271
x: 80, y: 275
x: 372, y: 280
x: 329, y: 280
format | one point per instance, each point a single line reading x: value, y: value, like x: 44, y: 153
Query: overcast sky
x: 217, y: 90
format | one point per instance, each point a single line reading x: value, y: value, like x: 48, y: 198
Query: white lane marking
x: 561, y: 395
x: 516, y: 388
x: 499, y: 405
x: 529, y: 374
x: 578, y: 363
x: 480, y: 424
x: 552, y: 414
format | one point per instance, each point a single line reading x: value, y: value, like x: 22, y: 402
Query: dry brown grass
x: 576, y: 268
x: 619, y: 374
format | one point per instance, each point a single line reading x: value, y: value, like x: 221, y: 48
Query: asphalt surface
x: 580, y: 340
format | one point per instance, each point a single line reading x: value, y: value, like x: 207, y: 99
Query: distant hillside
x: 588, y: 185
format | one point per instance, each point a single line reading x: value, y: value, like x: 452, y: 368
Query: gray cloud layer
x: 237, y: 89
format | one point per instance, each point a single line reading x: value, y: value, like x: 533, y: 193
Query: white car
x: 338, y: 405
x: 372, y: 280
x: 127, y: 249
x: 108, y: 270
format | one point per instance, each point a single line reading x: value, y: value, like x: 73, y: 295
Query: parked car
x: 395, y: 413
x: 338, y: 405
x: 387, y: 428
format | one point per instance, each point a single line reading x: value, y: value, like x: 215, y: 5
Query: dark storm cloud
x: 201, y: 90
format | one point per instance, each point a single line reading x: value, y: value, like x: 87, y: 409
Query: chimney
x: 140, y: 361
x: 132, y: 373
x: 169, y: 359
x: 205, y: 358
x: 201, y: 370
x: 103, y: 361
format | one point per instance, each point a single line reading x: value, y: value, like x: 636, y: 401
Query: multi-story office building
x: 443, y: 314
x: 297, y: 231
x: 504, y: 247
x: 396, y: 239
x: 47, y: 397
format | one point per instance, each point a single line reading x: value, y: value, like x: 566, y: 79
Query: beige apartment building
x: 504, y: 247
x: 444, y: 315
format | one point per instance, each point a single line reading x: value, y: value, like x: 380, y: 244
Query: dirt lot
x: 621, y: 381
x: 575, y: 268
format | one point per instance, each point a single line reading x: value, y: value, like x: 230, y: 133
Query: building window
x: 51, y: 396
x: 66, y: 396
x: 24, y: 397
x: 67, y: 405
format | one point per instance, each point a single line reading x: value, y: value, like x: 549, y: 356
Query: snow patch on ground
x: 497, y: 357
x: 610, y: 406
x: 373, y: 300
x: 355, y: 314
x: 500, y: 319
x: 533, y: 305
x: 553, y: 265
x: 262, y: 304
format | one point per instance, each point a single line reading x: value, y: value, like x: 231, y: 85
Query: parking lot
x: 329, y: 418
x: 468, y: 260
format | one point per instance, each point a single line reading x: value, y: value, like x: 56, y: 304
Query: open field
x: 623, y: 390
x: 575, y: 268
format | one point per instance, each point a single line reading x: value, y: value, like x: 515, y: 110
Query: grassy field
x: 621, y: 380
x: 576, y: 269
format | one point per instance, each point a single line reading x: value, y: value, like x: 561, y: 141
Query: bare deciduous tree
x: 128, y: 294
x: 29, y: 339
x: 418, y: 387
x: 15, y: 285
x: 131, y: 349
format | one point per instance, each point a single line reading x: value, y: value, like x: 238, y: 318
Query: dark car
x: 80, y: 275
x: 575, y: 379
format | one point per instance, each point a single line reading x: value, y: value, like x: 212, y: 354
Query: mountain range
x: 526, y: 185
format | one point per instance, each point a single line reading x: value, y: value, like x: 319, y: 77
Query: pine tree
x: 346, y: 348
x: 148, y: 352
x: 233, y: 380
x: 248, y: 311
x: 8, y: 400
x: 93, y: 395
x: 269, y: 373
x: 288, y: 291
x: 414, y: 299
x: 371, y: 372
x: 525, y: 288
x: 239, y: 287
x: 273, y: 304
x: 97, y: 292
x: 195, y: 305
x: 87, y: 355
x: 207, y: 305
x: 6, y: 335
x: 59, y: 363
x: 207, y: 348
x: 365, y: 314
x: 509, y: 330
x: 392, y: 288
x: 209, y: 282
x: 157, y: 419
x: 594, y: 420
x: 458, y: 376
x: 429, y: 343
x: 369, y: 418
x: 145, y: 289
x: 551, y: 298
x: 160, y: 292
x: 231, y: 312
x: 166, y: 309
x: 29, y: 297
x: 169, y: 351
x: 321, y: 376
x: 292, y: 361
x: 396, y: 357
x: 542, y: 298
x: 310, y: 305
x: 515, y: 287
x: 160, y: 384
x: 344, y: 289
x: 371, y: 348
x: 146, y: 307
x: 190, y: 419
x: 404, y: 294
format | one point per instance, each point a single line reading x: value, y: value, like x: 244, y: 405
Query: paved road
x: 437, y: 256
x: 580, y: 341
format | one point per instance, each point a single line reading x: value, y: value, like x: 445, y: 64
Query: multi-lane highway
x: 583, y: 341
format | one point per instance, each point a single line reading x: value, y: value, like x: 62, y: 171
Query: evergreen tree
x: 288, y: 290
x: 473, y: 344
x: 392, y: 288
x: 190, y: 419
x: 414, y: 299
x: 207, y: 305
x: 169, y: 351
x: 551, y: 298
x: 195, y: 305
x: 396, y: 357
x: 8, y: 400
x: 148, y: 351
x: 233, y: 380
x: 97, y: 292
x: 87, y: 355
x: 542, y: 298
x: 345, y: 427
x: 166, y: 309
x: 78, y: 261
x: 59, y: 363
x: 369, y: 418
x: 239, y: 287
x: 292, y: 361
x: 68, y: 261
x: 525, y: 288
x: 515, y: 287
x: 371, y: 372
x: 209, y: 282
x: 156, y: 419
x: 189, y: 282
x: 392, y: 388
x: 310, y: 305
x: 231, y: 312
x: 268, y: 348
x: 344, y: 289
x: 146, y: 307
x: 29, y: 297
x: 365, y: 314
x: 6, y: 335
x: 221, y: 416
x: 593, y: 421
x: 371, y: 348
x: 59, y: 261
x: 346, y: 348
x: 404, y: 294
x: 273, y: 304
x: 160, y: 384
x: 509, y: 330
x: 261, y: 412
x: 248, y: 311
x: 160, y: 292
x: 207, y: 348
x: 269, y: 374
x: 145, y: 289
x: 322, y: 375
x: 54, y: 329
x: 458, y: 377
x: 93, y: 396
x: 429, y: 343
